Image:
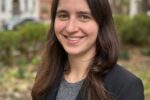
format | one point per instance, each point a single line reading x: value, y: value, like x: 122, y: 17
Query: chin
x: 73, y: 52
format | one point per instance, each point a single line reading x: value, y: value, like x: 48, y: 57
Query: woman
x: 81, y: 55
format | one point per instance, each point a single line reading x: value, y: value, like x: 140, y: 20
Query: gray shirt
x: 68, y: 91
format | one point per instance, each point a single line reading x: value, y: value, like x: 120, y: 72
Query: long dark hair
x: 55, y: 57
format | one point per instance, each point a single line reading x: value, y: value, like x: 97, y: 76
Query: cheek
x: 58, y: 27
x: 92, y: 29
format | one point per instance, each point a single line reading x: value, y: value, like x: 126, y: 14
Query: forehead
x: 73, y: 5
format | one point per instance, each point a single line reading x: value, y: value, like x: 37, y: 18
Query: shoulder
x: 119, y: 74
x: 120, y: 82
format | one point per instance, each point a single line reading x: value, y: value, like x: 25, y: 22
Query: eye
x: 85, y: 18
x: 62, y: 17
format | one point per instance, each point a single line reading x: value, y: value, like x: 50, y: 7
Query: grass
x: 15, y: 85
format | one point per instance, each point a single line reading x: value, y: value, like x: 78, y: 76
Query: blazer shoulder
x: 120, y: 74
x: 120, y: 81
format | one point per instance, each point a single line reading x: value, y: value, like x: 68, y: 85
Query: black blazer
x: 122, y: 84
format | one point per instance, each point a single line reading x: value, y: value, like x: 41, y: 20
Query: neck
x: 78, y: 67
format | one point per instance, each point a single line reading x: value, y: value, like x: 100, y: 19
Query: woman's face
x: 75, y: 27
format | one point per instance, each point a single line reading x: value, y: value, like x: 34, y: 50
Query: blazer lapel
x: 51, y: 95
x: 82, y: 93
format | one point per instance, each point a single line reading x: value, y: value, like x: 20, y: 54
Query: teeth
x: 73, y: 38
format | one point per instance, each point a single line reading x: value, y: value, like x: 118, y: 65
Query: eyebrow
x: 79, y: 12
x: 84, y: 12
x: 61, y: 11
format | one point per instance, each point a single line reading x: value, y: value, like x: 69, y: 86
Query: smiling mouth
x: 73, y: 39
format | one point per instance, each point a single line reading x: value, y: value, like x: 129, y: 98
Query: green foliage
x: 122, y: 23
x: 140, y: 30
x: 1, y: 76
x: 22, y: 61
x: 32, y: 38
x: 125, y: 2
x: 36, y: 60
x: 21, y: 73
x: 7, y: 42
x: 146, y: 52
x: 26, y: 42
x: 135, y: 31
x: 123, y: 55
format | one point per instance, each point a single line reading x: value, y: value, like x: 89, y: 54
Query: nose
x: 72, y: 26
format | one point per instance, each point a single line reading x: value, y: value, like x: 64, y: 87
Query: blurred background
x: 24, y: 23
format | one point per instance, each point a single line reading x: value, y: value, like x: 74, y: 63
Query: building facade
x: 18, y: 8
x: 38, y: 9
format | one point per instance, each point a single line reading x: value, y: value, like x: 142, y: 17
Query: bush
x: 145, y: 52
x: 32, y: 38
x: 7, y: 42
x: 124, y: 55
x: 141, y: 26
x: 122, y: 23
x: 135, y: 30
x: 26, y: 42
